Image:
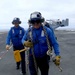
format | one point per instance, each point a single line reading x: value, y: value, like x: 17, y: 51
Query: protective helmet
x: 36, y: 16
x: 16, y: 20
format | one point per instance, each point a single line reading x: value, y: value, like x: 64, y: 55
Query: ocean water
x: 6, y: 27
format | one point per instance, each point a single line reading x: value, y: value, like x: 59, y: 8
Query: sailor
x: 15, y: 35
x: 35, y: 38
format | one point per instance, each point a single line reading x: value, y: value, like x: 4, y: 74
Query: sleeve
x: 8, y: 38
x: 23, y: 31
x: 53, y: 42
x: 24, y: 37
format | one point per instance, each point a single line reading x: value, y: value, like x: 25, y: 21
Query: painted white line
x: 4, y: 53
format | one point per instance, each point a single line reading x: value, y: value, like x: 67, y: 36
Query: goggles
x: 35, y: 21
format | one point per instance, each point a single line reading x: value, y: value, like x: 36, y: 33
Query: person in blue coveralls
x: 36, y: 40
x: 15, y: 35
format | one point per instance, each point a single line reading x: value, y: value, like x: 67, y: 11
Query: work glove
x: 57, y: 60
x: 7, y: 47
x: 28, y: 44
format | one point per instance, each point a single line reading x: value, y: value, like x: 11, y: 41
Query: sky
x: 50, y: 9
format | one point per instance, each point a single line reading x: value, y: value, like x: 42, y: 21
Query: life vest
x: 41, y: 41
x: 16, y: 36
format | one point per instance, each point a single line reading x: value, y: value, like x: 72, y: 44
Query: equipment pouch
x: 17, y: 56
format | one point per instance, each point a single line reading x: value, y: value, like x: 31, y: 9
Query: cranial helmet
x: 35, y: 16
x: 16, y: 20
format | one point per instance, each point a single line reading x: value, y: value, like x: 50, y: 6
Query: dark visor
x: 33, y: 21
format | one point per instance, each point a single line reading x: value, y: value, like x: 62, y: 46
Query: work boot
x: 23, y: 74
x: 17, y: 67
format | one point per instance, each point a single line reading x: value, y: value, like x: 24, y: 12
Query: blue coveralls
x: 15, y: 35
x: 40, y: 48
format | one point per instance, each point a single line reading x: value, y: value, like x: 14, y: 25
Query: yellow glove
x: 7, y: 47
x: 28, y: 44
x: 57, y: 60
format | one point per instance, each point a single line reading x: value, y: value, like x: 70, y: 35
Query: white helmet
x: 16, y: 20
x: 36, y: 16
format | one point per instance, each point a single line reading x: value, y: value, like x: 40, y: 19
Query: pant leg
x: 32, y: 66
x: 43, y: 65
x: 18, y: 64
x: 23, y: 66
